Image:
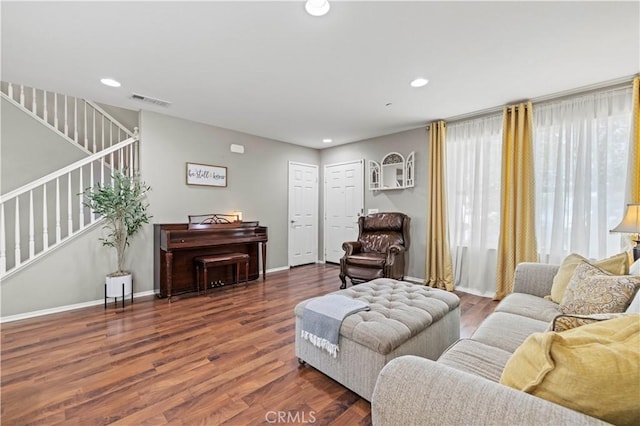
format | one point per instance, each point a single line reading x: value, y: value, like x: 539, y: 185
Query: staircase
x: 41, y: 215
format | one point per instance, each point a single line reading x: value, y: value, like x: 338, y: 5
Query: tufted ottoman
x: 405, y: 319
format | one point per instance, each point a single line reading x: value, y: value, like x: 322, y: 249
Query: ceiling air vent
x: 150, y: 100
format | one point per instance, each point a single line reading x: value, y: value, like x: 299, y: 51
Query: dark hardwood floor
x: 227, y: 358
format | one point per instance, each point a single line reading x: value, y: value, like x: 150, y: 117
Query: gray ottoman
x: 405, y: 319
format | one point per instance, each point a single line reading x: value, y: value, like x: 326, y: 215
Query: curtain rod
x: 610, y: 84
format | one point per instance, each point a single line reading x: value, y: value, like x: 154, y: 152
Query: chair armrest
x: 351, y: 247
x: 393, y: 251
x: 534, y: 278
x: 417, y: 391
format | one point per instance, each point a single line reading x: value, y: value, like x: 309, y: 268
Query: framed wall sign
x: 205, y: 174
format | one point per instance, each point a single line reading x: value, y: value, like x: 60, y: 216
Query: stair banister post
x: 34, y: 108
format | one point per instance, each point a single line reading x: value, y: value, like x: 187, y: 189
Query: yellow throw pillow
x: 593, y: 369
x: 617, y: 265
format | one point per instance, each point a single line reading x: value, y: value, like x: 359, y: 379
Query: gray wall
x: 257, y: 185
x: 257, y: 181
x: 29, y: 150
x: 412, y: 201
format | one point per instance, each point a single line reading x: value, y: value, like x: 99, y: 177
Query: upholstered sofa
x: 463, y: 386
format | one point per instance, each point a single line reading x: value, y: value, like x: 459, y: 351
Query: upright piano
x: 177, y: 244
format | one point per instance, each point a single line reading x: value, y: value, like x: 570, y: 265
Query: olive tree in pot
x: 122, y: 204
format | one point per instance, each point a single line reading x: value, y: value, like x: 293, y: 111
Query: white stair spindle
x: 34, y: 108
x: 32, y: 238
x: 3, y: 242
x: 121, y: 157
x: 86, y: 136
x: 58, y: 229
x: 92, y: 216
x: 45, y: 113
x: 69, y: 207
x: 81, y: 206
x: 55, y: 111
x: 21, y: 95
x: 45, y: 221
x: 102, y: 134
x: 113, y: 167
x: 95, y: 148
x: 131, y: 160
x: 10, y: 92
x: 66, y: 117
x: 75, y: 119
x: 18, y: 252
x: 102, y: 170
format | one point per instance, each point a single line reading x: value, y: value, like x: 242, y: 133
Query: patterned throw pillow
x: 616, y: 265
x: 594, y: 291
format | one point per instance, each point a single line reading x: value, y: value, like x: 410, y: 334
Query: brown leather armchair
x: 383, y: 239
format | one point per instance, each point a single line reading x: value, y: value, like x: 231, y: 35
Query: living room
x: 257, y: 180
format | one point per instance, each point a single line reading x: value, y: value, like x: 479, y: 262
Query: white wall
x: 412, y: 201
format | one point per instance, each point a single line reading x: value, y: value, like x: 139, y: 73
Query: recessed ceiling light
x: 419, y: 82
x: 317, y: 7
x: 327, y: 140
x: 110, y: 82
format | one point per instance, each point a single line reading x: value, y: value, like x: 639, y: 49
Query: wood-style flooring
x: 227, y: 358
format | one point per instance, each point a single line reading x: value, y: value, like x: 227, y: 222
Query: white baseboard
x: 59, y: 309
x: 282, y: 268
x: 475, y: 292
x: 414, y: 280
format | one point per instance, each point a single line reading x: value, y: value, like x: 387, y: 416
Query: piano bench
x: 206, y: 262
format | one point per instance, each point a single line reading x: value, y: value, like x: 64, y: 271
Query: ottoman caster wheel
x: 301, y: 361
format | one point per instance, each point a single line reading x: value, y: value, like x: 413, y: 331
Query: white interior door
x: 303, y: 213
x: 343, y: 204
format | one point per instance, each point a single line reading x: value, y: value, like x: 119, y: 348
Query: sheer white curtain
x: 581, y: 147
x: 473, y: 149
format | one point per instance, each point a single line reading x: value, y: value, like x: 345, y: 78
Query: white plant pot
x: 114, y: 285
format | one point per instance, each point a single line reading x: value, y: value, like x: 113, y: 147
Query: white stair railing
x: 55, y: 202
x: 79, y: 121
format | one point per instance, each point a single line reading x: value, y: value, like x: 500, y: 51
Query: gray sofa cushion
x: 476, y: 358
x: 529, y: 306
x: 507, y: 331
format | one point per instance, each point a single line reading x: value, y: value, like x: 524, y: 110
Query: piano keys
x: 177, y: 244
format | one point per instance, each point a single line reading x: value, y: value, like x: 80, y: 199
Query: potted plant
x: 122, y: 204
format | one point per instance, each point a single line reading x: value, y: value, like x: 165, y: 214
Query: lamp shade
x: 631, y: 220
